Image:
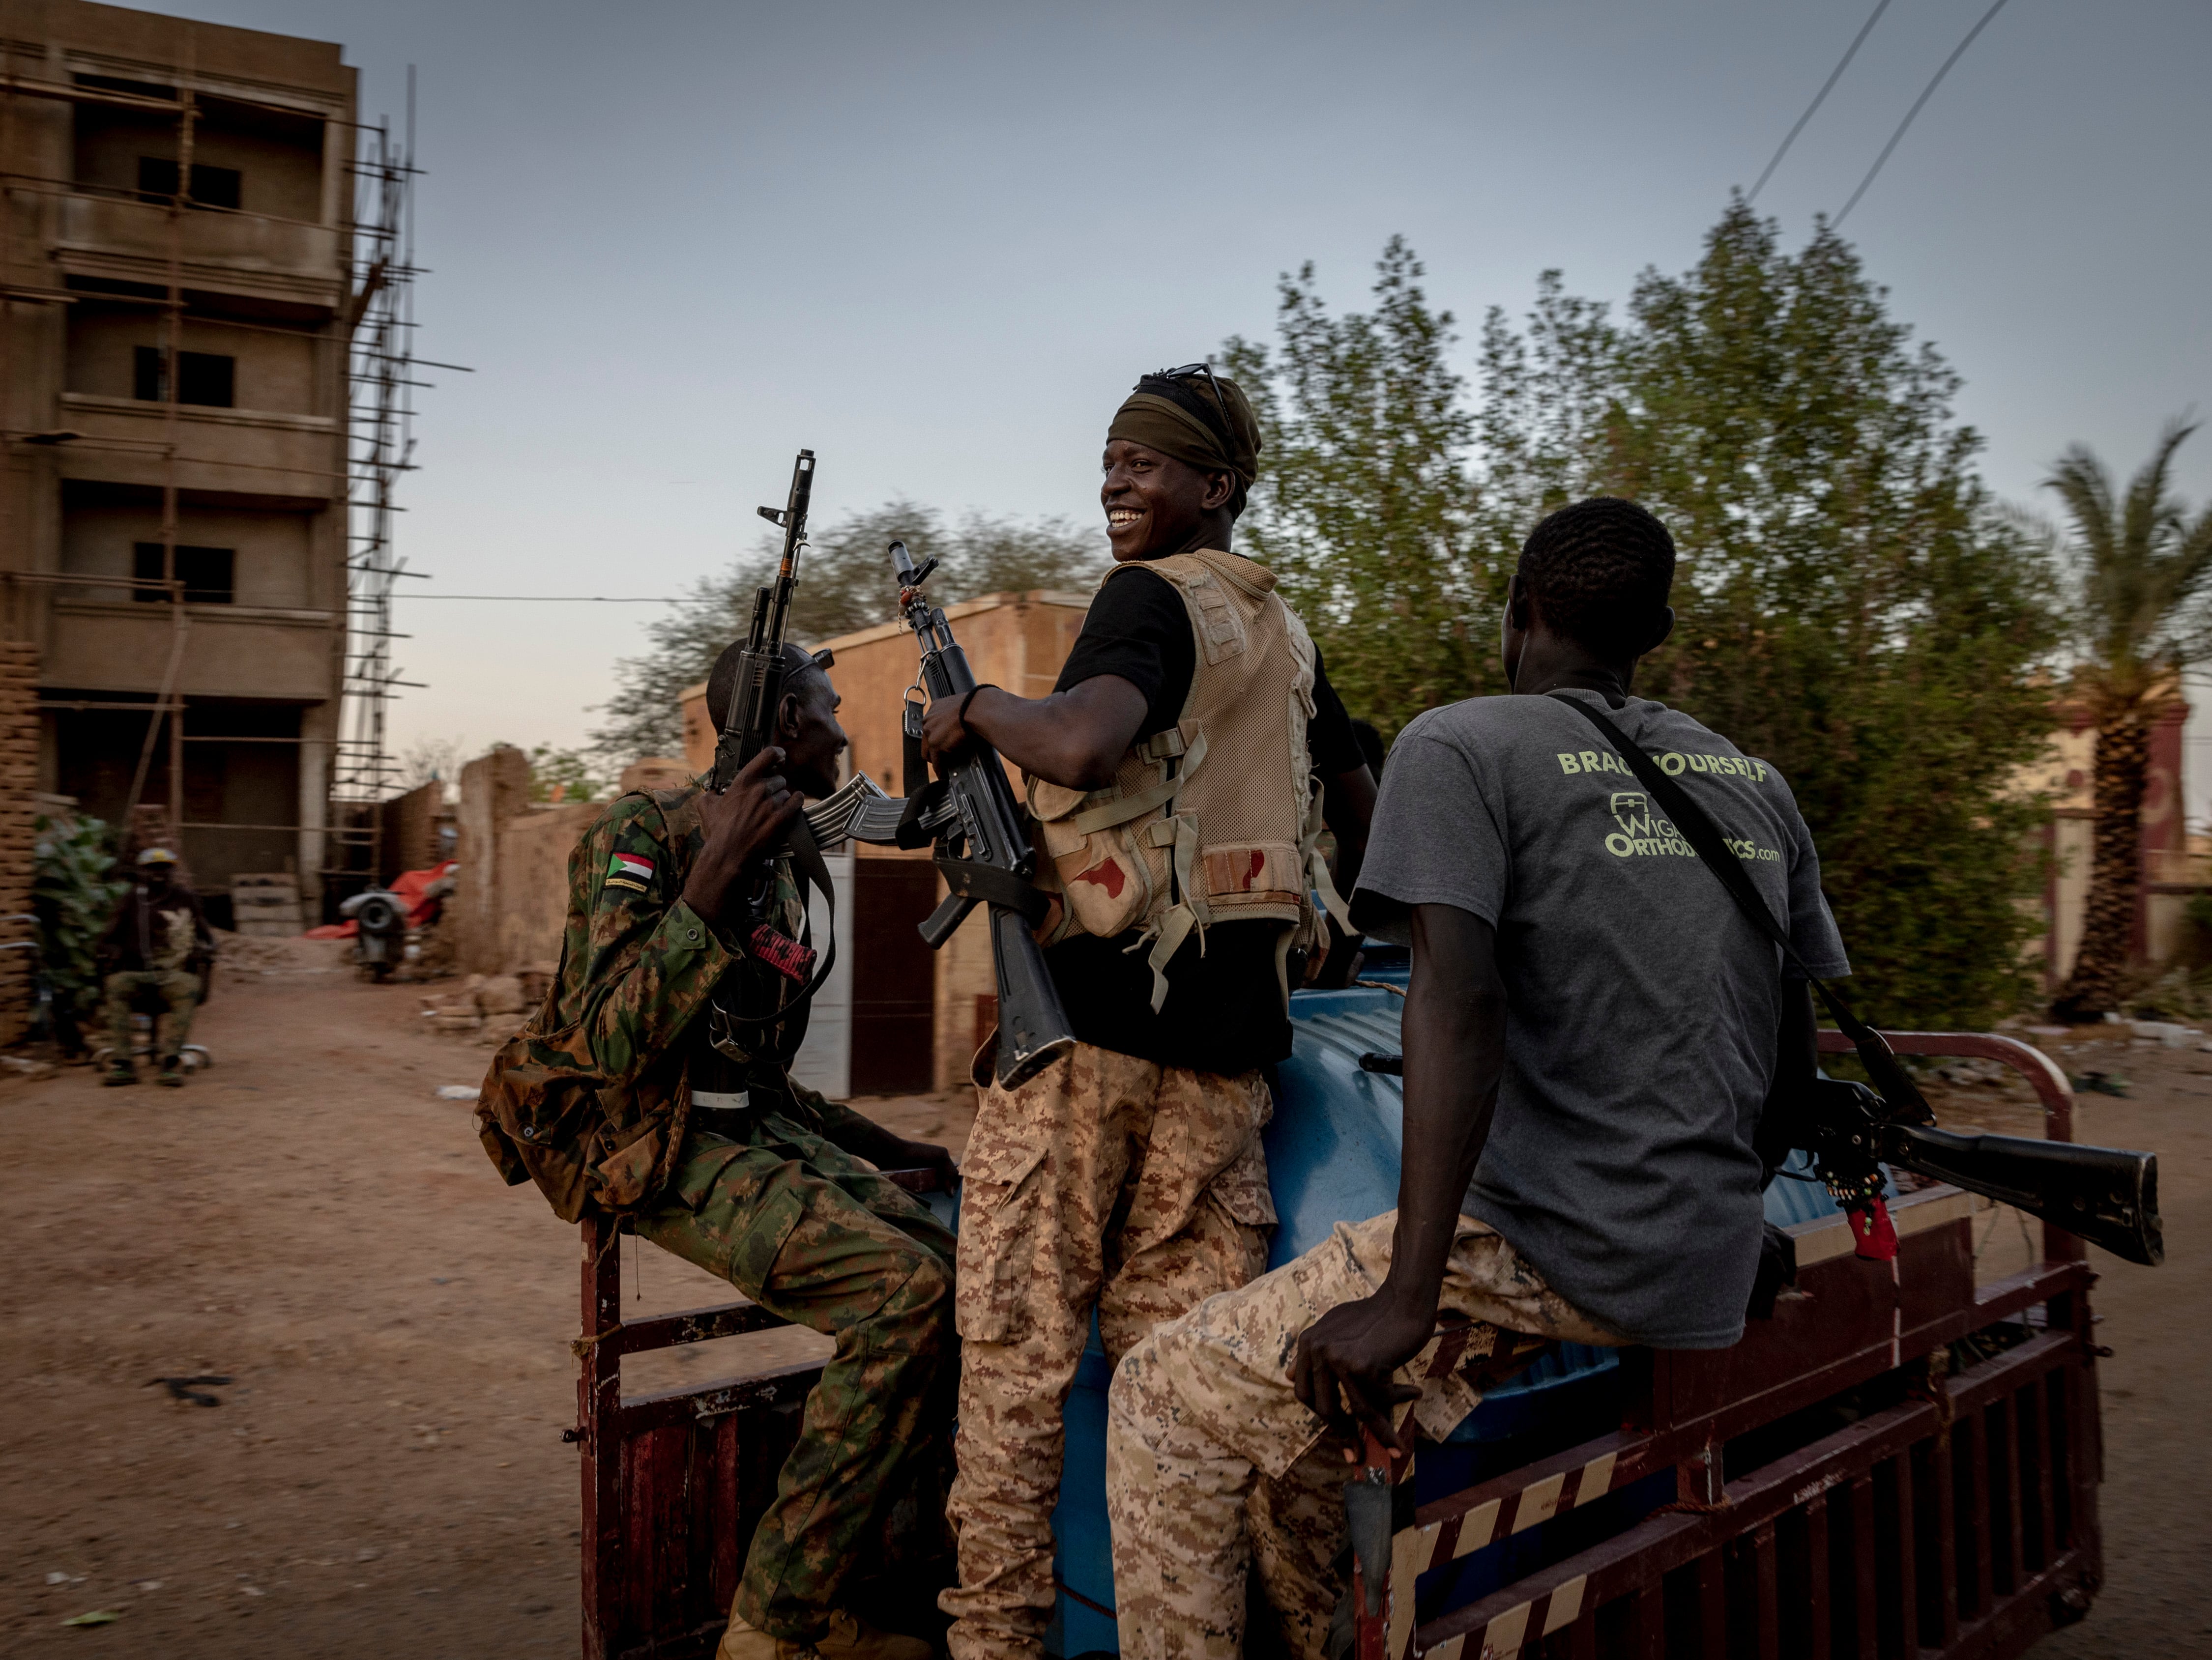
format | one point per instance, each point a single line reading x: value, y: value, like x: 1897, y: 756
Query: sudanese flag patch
x: 631, y: 871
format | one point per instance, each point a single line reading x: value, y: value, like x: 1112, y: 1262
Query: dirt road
x: 385, y: 1475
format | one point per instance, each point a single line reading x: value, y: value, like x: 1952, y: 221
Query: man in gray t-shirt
x: 1591, y: 1030
x: 1641, y: 1006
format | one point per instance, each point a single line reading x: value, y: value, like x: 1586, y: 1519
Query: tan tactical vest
x: 1215, y: 819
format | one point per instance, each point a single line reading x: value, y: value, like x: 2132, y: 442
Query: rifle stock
x: 2106, y: 1195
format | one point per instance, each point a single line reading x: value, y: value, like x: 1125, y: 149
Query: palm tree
x: 2142, y: 576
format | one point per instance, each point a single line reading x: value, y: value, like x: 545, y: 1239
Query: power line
x: 1957, y: 53
x: 1826, y: 86
x: 558, y: 599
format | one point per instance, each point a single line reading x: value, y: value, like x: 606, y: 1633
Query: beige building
x: 910, y: 1018
x: 176, y: 256
x: 2172, y: 873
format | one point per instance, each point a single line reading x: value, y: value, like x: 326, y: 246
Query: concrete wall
x: 279, y: 162
x: 495, y: 790
x: 824, y: 1061
x: 532, y: 866
x: 266, y: 286
x: 409, y: 829
x: 272, y: 548
x: 286, y: 373
x: 2066, y: 777
x: 19, y: 768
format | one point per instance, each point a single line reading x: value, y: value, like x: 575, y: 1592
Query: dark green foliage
x: 569, y: 771
x: 1362, y: 509
x: 1852, y: 609
x: 74, y: 889
x: 845, y: 586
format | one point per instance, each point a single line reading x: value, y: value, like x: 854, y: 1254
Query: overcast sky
x: 937, y: 242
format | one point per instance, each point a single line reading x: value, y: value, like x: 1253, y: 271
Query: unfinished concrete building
x: 185, y: 291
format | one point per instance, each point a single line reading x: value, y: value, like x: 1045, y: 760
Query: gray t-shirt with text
x: 1642, y: 1005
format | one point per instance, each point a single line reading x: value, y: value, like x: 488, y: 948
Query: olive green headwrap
x: 1178, y: 415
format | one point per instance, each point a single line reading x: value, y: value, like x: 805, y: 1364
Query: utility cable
x: 1958, y: 53
x: 1826, y: 86
x: 567, y: 599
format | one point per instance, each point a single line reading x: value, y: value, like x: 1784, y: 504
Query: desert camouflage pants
x: 1202, y: 1411
x: 1105, y: 1182
x: 180, y: 996
x: 812, y: 1235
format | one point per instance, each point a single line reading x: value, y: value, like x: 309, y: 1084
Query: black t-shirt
x: 1222, y: 1012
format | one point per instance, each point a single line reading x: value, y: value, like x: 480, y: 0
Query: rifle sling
x: 994, y: 887
x: 1698, y: 829
x: 806, y: 860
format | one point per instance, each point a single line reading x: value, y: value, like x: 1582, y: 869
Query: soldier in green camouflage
x: 651, y: 1085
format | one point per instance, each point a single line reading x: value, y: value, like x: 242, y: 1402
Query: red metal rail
x: 1958, y: 1519
x: 1960, y: 1522
x: 674, y: 1481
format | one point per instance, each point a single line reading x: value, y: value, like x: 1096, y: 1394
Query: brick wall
x: 410, y: 830
x: 19, y: 777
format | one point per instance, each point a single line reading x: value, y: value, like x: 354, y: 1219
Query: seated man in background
x: 1590, y: 1031
x: 652, y: 1084
x: 158, y: 942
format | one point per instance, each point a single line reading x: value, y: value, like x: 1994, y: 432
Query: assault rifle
x: 2106, y: 1195
x: 749, y: 723
x: 748, y: 727
x: 983, y: 849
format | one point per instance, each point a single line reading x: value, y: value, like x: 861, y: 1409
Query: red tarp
x: 409, y: 887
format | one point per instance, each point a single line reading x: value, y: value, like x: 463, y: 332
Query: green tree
x: 1852, y: 608
x: 565, y: 775
x: 2142, y: 605
x: 1362, y: 509
x: 75, y: 886
x: 844, y: 585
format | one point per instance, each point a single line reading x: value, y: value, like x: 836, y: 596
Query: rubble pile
x: 487, y: 1006
x: 247, y: 954
x: 433, y: 955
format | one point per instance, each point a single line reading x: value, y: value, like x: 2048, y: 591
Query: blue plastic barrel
x: 1333, y: 1150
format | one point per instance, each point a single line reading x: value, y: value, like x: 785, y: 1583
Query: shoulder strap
x: 1702, y: 833
x: 807, y: 863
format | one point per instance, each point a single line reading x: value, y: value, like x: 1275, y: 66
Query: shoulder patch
x: 636, y: 866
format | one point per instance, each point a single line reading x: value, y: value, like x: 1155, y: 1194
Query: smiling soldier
x: 1181, y: 772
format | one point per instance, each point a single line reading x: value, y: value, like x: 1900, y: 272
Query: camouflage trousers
x: 1104, y: 1183
x: 816, y: 1236
x: 180, y: 996
x: 1202, y: 1420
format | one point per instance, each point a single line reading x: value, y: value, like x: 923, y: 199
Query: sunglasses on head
x: 1193, y: 371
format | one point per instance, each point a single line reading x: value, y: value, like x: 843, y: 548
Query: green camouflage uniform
x: 594, y: 1099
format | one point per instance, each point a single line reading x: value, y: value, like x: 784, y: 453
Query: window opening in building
x: 117, y: 83
x: 203, y: 377
x: 212, y: 187
x: 206, y: 573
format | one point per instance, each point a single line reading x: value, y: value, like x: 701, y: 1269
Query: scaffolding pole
x: 380, y: 426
